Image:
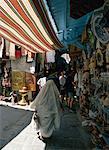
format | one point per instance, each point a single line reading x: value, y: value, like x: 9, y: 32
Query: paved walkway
x: 71, y: 135
x: 12, y: 122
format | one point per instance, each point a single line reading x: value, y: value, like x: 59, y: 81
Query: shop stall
x: 94, y: 97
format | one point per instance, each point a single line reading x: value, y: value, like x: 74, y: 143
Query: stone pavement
x: 71, y: 135
x: 12, y: 122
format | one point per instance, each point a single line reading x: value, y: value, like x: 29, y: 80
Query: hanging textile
x: 84, y: 35
x: 98, y: 44
x: 99, y: 57
x: 41, y: 60
x: 1, y: 46
x: 107, y: 57
x: 26, y: 23
x: 18, y: 52
x: 7, y: 43
x: 50, y: 56
x: 12, y: 51
x: 24, y: 51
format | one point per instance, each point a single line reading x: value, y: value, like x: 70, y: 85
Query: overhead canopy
x: 71, y: 17
x: 26, y: 23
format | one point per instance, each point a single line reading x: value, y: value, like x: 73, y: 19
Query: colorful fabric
x: 25, y: 23
x: 18, y: 52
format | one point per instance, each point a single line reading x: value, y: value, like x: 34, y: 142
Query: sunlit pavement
x: 26, y: 140
x: 71, y: 135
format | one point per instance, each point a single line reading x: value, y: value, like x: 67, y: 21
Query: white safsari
x: 47, y: 105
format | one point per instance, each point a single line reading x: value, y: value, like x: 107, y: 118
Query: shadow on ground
x: 12, y: 122
x: 71, y: 136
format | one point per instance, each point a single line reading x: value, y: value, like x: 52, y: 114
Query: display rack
x: 101, y: 86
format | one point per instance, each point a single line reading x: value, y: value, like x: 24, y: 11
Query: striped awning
x: 26, y: 23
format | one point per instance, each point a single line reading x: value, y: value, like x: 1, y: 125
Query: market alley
x: 71, y: 135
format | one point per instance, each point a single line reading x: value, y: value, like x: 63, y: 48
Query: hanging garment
x: 107, y: 57
x: 84, y: 35
x: 42, y: 61
x: 6, y: 82
x: 7, y: 43
x: 98, y: 44
x: 99, y: 57
x: 18, y: 52
x: 107, y: 54
x: 12, y: 51
x: 23, y: 51
x: 1, y: 46
x: 50, y: 56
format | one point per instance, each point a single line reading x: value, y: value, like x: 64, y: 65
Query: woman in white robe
x: 47, y: 105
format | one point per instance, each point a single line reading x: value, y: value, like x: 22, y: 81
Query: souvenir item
x: 18, y: 80
x: 106, y: 101
x: 84, y: 36
x: 30, y: 81
x: 23, y: 93
x: 7, y: 43
x: 99, y: 57
x: 92, y: 64
x: 99, y: 23
x: 107, y: 57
